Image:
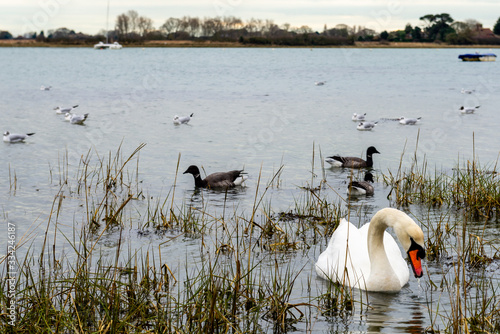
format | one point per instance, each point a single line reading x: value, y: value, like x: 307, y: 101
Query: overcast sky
x: 89, y: 16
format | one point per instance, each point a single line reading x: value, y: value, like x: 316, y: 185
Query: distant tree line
x: 442, y: 28
x: 131, y: 28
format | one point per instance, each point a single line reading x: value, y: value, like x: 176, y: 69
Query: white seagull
x: 182, y: 119
x: 358, y: 117
x: 467, y: 91
x: 366, y: 126
x: 45, y: 87
x: 15, y: 137
x: 64, y: 111
x: 409, y: 121
x: 468, y: 110
x: 75, y: 119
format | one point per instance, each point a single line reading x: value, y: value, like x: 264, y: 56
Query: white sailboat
x: 107, y: 45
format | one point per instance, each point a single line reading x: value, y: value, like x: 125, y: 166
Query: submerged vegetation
x: 236, y: 274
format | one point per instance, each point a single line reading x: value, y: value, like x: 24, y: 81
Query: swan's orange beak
x: 416, y: 264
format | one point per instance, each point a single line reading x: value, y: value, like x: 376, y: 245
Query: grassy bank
x: 214, y: 44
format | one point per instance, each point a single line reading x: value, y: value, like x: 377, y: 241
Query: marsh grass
x: 242, y: 281
x: 82, y: 289
x: 471, y: 188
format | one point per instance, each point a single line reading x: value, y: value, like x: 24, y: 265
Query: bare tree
x: 304, y: 30
x: 133, y: 20
x: 122, y: 24
x: 171, y: 25
x: 473, y: 24
x: 193, y: 26
x: 144, y: 25
x: 286, y: 26
x: 207, y: 27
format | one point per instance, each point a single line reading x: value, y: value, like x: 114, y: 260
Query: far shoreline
x: 213, y: 44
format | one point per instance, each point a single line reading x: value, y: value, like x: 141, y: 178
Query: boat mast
x: 107, y: 23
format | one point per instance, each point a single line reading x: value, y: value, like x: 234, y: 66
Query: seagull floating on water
x: 467, y: 91
x: 45, y: 87
x: 182, y: 119
x: 217, y: 180
x: 409, y: 121
x: 15, y: 137
x: 76, y: 119
x: 366, y: 126
x: 320, y: 83
x: 358, y: 117
x: 468, y: 110
x: 64, y: 111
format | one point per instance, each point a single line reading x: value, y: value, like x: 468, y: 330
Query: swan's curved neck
x: 382, y: 275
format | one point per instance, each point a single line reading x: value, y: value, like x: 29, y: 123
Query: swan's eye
x: 418, y: 248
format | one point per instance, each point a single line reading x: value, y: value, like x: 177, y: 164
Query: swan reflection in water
x: 385, y: 311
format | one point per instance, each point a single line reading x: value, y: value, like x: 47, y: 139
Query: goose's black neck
x: 198, y: 181
x: 369, y: 160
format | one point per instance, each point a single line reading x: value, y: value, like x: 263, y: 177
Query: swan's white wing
x: 346, y: 258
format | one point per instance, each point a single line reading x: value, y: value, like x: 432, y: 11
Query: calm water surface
x: 256, y: 109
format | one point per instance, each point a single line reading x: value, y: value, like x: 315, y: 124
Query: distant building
x: 484, y: 35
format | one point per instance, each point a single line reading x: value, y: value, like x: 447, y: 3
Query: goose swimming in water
x: 178, y: 120
x: 369, y: 258
x: 217, y: 180
x: 64, y: 111
x: 358, y: 117
x: 358, y: 188
x: 468, y: 110
x: 15, y: 137
x: 353, y: 162
x: 366, y: 126
x: 409, y: 121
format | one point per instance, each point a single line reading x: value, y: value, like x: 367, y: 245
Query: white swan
x: 178, y: 120
x: 369, y: 258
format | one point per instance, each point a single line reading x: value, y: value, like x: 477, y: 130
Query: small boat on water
x: 111, y: 46
x: 478, y: 57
